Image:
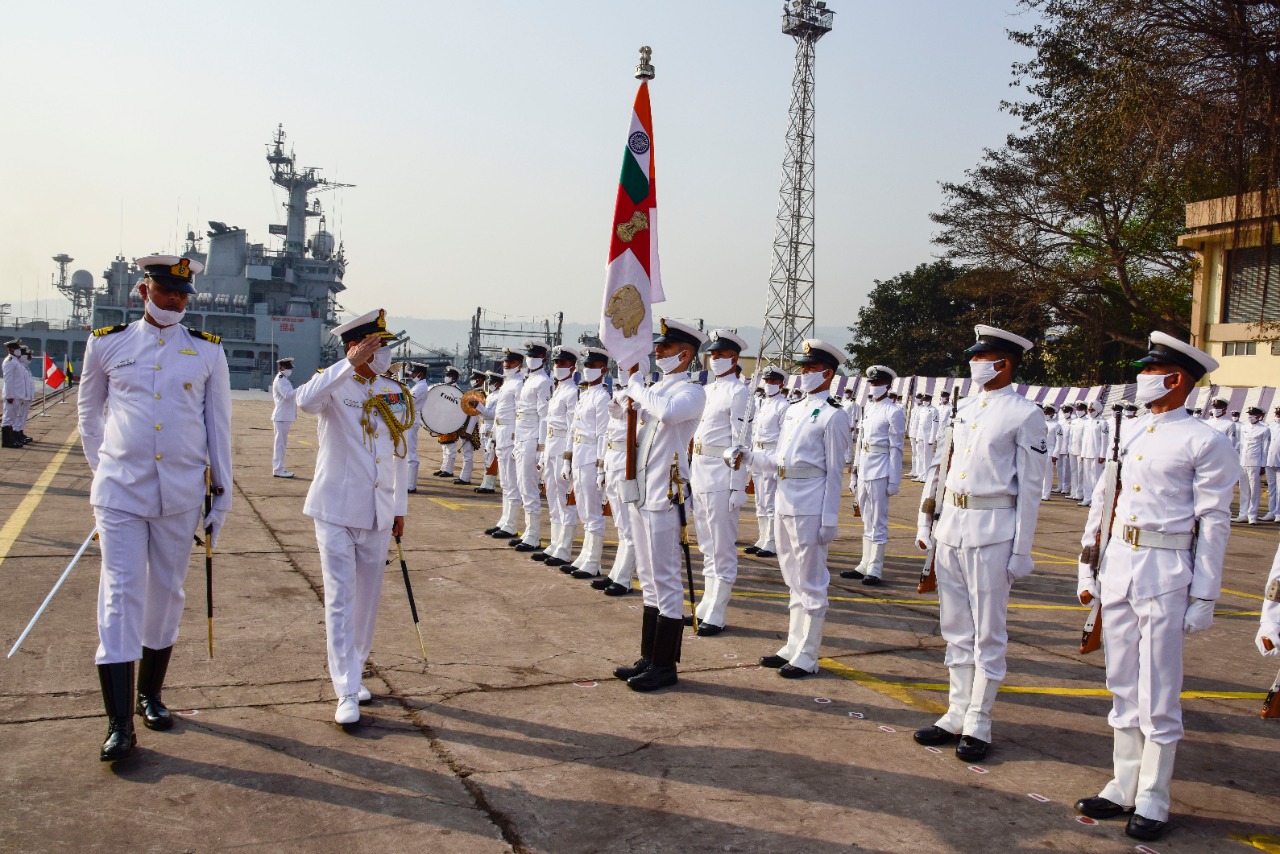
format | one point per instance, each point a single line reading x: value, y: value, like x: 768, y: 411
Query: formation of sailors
x: 154, y: 416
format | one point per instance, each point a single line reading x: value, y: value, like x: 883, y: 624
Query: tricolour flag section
x: 632, y: 280
x: 53, y: 376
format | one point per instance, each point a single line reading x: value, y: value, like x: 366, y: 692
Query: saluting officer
x: 990, y: 503
x: 670, y: 408
x: 879, y: 472
x: 359, y: 496
x: 765, y: 430
x: 589, y: 428
x: 809, y: 464
x: 554, y: 458
x: 531, y: 414
x: 1160, y: 574
x: 501, y: 407
x: 284, y: 413
x: 154, y: 412
x: 719, y: 493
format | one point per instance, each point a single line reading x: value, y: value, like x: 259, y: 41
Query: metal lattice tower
x: 789, y: 308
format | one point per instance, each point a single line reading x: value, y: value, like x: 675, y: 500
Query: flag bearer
x: 154, y: 413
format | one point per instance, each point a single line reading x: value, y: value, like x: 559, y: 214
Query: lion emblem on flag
x: 626, y: 310
x: 628, y: 230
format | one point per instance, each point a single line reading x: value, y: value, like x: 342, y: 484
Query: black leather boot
x: 150, y: 682
x: 117, y: 697
x: 7, y: 441
x: 666, y: 652
x: 648, y: 631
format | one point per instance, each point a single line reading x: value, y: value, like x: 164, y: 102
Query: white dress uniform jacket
x: 360, y: 482
x: 282, y: 392
x: 1255, y: 444
x: 1224, y: 425
x: 589, y: 428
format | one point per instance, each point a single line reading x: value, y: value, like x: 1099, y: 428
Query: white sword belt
x: 526, y: 416
x: 611, y: 445
x: 709, y: 450
x: 579, y: 438
x: 1138, y: 538
x: 874, y: 449
x: 799, y: 471
x: 766, y: 446
x: 976, y: 502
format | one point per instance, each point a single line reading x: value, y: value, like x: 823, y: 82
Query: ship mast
x: 298, y: 183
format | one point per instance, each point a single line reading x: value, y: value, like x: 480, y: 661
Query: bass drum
x: 441, y: 409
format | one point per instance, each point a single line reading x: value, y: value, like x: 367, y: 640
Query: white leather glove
x: 827, y: 534
x: 566, y: 473
x: 737, y: 499
x: 1086, y: 583
x: 924, y: 532
x: 1199, y: 616
x: 893, y: 488
x: 1020, y: 566
x: 1270, y: 631
x: 216, y: 518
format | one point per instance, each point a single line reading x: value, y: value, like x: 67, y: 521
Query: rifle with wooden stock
x: 932, y: 507
x: 1091, y: 636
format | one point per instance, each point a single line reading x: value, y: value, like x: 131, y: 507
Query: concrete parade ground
x: 514, y: 735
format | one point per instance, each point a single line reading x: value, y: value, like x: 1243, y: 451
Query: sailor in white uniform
x: 879, y: 454
x: 448, y: 450
x: 359, y: 497
x: 930, y: 427
x: 531, y: 415
x: 765, y: 430
x: 418, y: 387
x: 1053, y: 436
x: 1219, y: 421
x: 501, y: 407
x: 1160, y: 574
x: 1255, y: 444
x: 809, y: 463
x: 589, y: 428
x: 283, y: 414
x: 1268, y: 637
x: 719, y: 493
x: 469, y: 439
x: 670, y: 409
x: 154, y: 413
x: 1063, y: 450
x: 1273, y: 467
x: 990, y: 504
x: 11, y: 366
x: 26, y: 394
x: 488, y: 442
x: 554, y: 458
x: 1095, y: 444
x: 1079, y: 424
x: 618, y: 582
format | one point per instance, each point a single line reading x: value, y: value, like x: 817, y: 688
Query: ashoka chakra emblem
x: 639, y: 142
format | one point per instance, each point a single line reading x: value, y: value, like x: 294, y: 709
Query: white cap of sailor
x: 674, y: 332
x: 561, y: 352
x: 1166, y: 350
x: 451, y: 371
x: 724, y: 339
x: 991, y: 338
x: 815, y: 351
x: 880, y: 375
x: 173, y: 272
x: 595, y: 356
x: 370, y: 323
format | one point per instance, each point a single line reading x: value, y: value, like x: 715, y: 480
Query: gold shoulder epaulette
x: 208, y: 336
x: 107, y: 330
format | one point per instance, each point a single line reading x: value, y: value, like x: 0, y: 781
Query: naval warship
x: 265, y: 302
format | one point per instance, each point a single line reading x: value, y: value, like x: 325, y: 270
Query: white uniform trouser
x: 1250, y: 491
x: 1143, y: 642
x: 873, y: 498
x: 10, y: 410
x: 558, y: 510
x: 1077, y: 475
x: 22, y: 409
x: 1048, y: 478
x: 586, y: 491
x: 1064, y: 474
x: 352, y: 561
x: 140, y: 596
x: 510, y: 489
x: 468, y: 451
x: 1273, y: 504
x: 803, y: 561
x: 526, y: 472
x: 449, y: 455
x: 928, y: 449
x: 1089, y: 471
x: 717, y: 526
x: 622, y: 516
x: 281, y: 440
x: 411, y: 454
x: 766, y: 495
x: 659, y: 560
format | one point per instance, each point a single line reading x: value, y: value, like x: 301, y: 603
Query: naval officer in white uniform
x: 418, y: 390
x: 359, y: 496
x: 618, y: 582
x: 284, y: 413
x: 1255, y: 443
x: 990, y: 505
x: 670, y: 410
x: 531, y: 417
x: 553, y: 460
x: 448, y: 450
x: 879, y: 469
x: 766, y: 427
x: 154, y: 412
x: 719, y: 493
x: 589, y: 429
x: 1159, y: 576
x: 501, y: 407
x: 12, y: 366
x: 809, y: 465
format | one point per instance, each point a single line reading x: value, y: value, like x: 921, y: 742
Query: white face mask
x: 286, y: 372
x: 720, y: 367
x: 381, y: 361
x: 563, y: 373
x: 1150, y: 388
x: 164, y: 317
x: 1219, y: 412
x: 590, y: 375
x: 533, y: 362
x: 982, y: 372
x: 809, y: 382
x: 771, y: 390
x: 670, y: 364
x: 1254, y: 419
x: 510, y: 373
x: 879, y: 391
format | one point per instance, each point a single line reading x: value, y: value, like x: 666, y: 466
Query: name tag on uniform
x: 188, y: 352
x: 351, y: 402
x: 123, y: 363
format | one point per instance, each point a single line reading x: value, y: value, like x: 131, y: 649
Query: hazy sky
x: 485, y: 139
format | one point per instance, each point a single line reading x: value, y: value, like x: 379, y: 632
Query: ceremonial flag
x: 69, y: 371
x: 53, y: 377
x: 632, y: 281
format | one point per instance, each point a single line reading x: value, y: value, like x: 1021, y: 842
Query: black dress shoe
x: 971, y: 749
x: 1100, y: 808
x: 871, y: 581
x: 484, y: 491
x: 932, y: 736
x: 625, y: 673
x: 706, y: 630
x: 568, y: 568
x: 502, y: 535
x: 410, y: 491
x: 444, y: 474
x: 584, y: 574
x: 552, y: 560
x: 653, y: 679
x: 774, y: 661
x: 515, y: 542
x: 850, y: 573
x: 491, y: 531
x: 460, y: 482
x: 602, y: 582
x: 688, y: 619
x: 539, y: 556
x: 751, y: 549
x: 765, y: 553
x: 615, y: 589
x: 526, y: 547
x: 790, y: 671
x: 1146, y: 829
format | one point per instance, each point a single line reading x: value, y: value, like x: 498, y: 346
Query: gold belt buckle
x: 782, y: 472
x: 961, y: 500
x: 697, y: 448
x: 1131, y: 535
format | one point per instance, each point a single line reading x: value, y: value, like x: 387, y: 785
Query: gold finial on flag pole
x: 644, y: 71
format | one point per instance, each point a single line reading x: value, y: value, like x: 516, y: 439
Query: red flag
x: 53, y: 376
